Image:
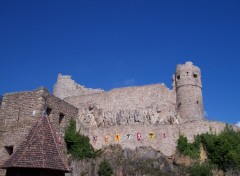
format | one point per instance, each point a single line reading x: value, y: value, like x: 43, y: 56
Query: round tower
x: 189, y: 103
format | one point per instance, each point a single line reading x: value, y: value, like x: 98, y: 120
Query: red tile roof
x: 38, y: 150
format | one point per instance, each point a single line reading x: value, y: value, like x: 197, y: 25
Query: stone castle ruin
x: 151, y: 115
x: 151, y: 104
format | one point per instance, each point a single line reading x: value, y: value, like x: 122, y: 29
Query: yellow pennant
x: 118, y: 137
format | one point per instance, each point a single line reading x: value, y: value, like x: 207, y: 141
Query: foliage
x: 201, y: 170
x: 105, y: 169
x: 189, y: 149
x: 222, y: 150
x: 78, y: 145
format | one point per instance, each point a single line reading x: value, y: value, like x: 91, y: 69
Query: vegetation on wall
x: 223, y: 150
x: 189, y: 149
x: 78, y: 145
x: 105, y: 169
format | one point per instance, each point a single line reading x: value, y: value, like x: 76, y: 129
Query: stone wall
x: 66, y: 87
x: 164, y: 140
x: 151, y: 104
x: 19, y: 111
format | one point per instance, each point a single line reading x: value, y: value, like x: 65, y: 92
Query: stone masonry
x: 20, y: 110
x: 66, y: 87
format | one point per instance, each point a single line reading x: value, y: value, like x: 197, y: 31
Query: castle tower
x: 189, y: 103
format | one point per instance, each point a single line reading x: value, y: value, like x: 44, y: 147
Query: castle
x: 151, y: 115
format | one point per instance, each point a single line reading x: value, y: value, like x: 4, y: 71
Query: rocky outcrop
x: 140, y: 161
x: 93, y: 116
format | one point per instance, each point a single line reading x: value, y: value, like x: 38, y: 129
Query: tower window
x: 197, y: 102
x: 178, y: 77
x: 48, y: 111
x: 9, y: 149
x: 61, y: 117
x: 179, y: 104
x: 195, y: 75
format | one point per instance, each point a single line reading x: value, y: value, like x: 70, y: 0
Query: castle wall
x: 66, y: 87
x: 149, y: 104
x: 165, y: 136
x: 19, y: 111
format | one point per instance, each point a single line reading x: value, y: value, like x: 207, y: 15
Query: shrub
x: 105, y: 169
x: 78, y: 145
x: 200, y: 170
x: 189, y: 149
x: 222, y: 150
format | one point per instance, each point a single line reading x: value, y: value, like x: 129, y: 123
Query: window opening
x: 61, y: 117
x: 48, y: 111
x: 178, y: 77
x: 9, y: 149
x: 179, y: 104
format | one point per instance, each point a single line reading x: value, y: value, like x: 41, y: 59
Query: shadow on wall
x: 1, y: 97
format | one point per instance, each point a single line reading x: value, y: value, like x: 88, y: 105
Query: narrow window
x: 194, y: 75
x: 48, y: 111
x: 9, y: 149
x: 178, y: 77
x: 197, y: 102
x: 179, y: 104
x: 61, y: 117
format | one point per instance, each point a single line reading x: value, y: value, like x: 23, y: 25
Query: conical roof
x: 39, y: 149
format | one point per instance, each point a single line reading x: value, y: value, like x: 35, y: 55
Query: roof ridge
x: 57, y: 146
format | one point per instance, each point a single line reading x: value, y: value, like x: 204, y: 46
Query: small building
x: 38, y: 154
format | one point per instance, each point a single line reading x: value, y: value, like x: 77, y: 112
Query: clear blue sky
x: 117, y: 43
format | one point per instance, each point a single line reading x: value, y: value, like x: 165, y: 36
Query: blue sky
x: 116, y: 43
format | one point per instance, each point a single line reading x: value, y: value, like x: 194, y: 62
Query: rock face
x: 94, y: 116
x: 140, y: 161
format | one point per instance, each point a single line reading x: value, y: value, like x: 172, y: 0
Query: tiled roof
x: 38, y: 150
